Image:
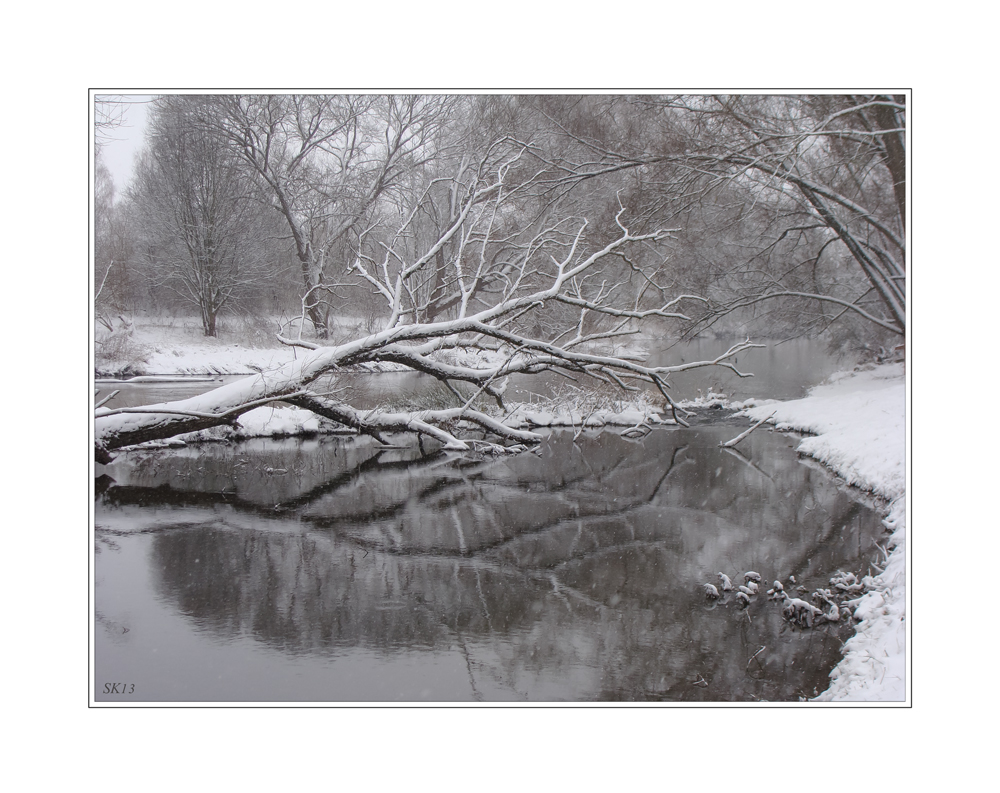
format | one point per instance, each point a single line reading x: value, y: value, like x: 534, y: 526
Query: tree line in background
x: 766, y: 215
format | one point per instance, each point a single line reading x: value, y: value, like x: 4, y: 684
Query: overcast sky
x: 127, y: 139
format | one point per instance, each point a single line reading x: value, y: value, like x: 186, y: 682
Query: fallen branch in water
x: 755, y: 655
x: 108, y: 398
x: 504, y: 305
x: 203, y: 415
x: 741, y: 436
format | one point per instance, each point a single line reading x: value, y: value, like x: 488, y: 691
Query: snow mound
x: 874, y: 665
x: 267, y: 422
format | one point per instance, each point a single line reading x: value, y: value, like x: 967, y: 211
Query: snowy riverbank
x: 176, y: 346
x: 858, y: 426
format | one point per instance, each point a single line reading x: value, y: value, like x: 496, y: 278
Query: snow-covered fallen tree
x: 501, y: 278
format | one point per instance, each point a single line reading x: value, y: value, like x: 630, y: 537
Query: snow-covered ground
x: 858, y: 421
x: 178, y: 346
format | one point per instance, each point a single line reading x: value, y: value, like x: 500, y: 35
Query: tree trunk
x: 895, y: 158
x: 313, y: 306
x: 208, y: 321
x: 885, y: 287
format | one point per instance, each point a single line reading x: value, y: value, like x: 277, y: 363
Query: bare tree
x: 326, y: 162
x: 104, y: 199
x: 109, y: 115
x: 506, y: 269
x: 200, y: 212
x: 115, y: 282
x: 795, y: 186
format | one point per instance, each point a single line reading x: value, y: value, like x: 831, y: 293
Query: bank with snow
x: 857, y: 423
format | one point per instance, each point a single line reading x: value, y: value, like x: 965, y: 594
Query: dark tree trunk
x: 886, y: 289
x: 208, y: 316
x: 895, y: 158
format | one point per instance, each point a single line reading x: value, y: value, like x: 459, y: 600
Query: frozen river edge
x: 857, y: 426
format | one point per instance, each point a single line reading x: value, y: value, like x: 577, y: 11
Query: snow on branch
x: 848, y: 306
x: 503, y: 286
x: 729, y: 444
x: 167, y: 411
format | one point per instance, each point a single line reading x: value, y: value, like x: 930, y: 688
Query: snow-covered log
x: 527, y: 297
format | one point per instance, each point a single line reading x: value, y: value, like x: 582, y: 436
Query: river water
x: 329, y: 570
x: 780, y: 371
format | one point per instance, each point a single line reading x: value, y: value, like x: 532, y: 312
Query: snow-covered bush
x: 117, y: 352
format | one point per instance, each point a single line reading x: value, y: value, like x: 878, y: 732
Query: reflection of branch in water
x: 167, y: 494
x: 442, y: 489
x: 476, y: 694
x: 673, y: 458
x: 315, y: 594
x: 605, y: 523
x: 450, y: 479
x: 482, y: 599
x: 744, y: 459
x: 561, y: 588
x: 373, y: 463
x: 156, y: 527
x: 579, y: 510
x: 492, y: 634
x: 456, y: 485
x: 576, y: 539
x: 608, y: 471
x: 457, y: 522
x: 557, y: 591
x: 604, y: 550
x: 656, y: 487
x: 373, y: 497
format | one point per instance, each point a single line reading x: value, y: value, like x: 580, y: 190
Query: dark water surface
x: 330, y: 570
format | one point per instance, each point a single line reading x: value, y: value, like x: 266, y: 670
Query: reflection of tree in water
x: 580, y: 563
